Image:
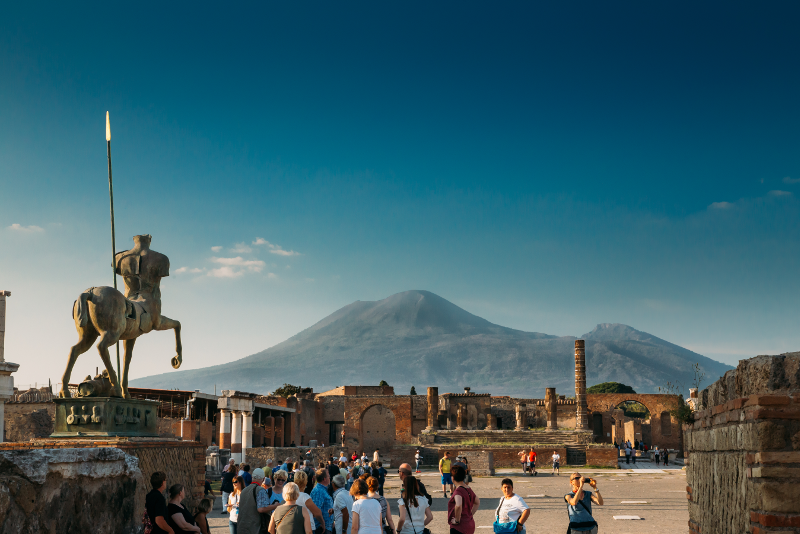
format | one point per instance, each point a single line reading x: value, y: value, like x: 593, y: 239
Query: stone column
x: 460, y: 417
x: 522, y: 417
x: 433, y: 409
x: 224, y: 429
x: 247, y: 432
x: 582, y: 411
x: 236, y: 437
x: 551, y: 408
x: 491, y: 421
x: 279, y: 431
x: 269, y: 431
x: 188, y: 429
x: 6, y: 368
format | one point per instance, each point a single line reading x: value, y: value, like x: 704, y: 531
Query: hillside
x: 418, y: 338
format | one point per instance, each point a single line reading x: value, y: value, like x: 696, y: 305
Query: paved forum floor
x: 664, y: 491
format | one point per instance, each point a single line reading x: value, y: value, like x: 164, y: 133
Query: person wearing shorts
x: 444, y: 470
x: 556, y: 461
x: 532, y: 462
x: 523, y: 457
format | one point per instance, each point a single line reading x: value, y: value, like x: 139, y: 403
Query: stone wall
x: 602, y: 456
x: 70, y: 490
x: 27, y: 421
x: 743, y: 470
x: 356, y: 407
x: 481, y: 463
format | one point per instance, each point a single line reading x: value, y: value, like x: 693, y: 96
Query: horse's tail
x: 80, y: 308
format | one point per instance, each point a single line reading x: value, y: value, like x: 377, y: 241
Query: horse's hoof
x: 176, y: 362
x: 64, y: 394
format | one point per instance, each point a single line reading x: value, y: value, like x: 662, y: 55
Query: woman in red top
x: 462, y: 504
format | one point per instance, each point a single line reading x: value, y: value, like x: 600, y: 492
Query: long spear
x: 113, y: 238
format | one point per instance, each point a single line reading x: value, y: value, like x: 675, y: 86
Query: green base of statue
x: 105, y: 417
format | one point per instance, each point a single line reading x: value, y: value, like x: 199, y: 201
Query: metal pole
x: 113, y: 234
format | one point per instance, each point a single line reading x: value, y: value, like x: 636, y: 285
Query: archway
x: 377, y: 428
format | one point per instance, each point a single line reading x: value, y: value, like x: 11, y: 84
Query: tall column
x: 247, y: 432
x: 582, y: 410
x: 225, y: 429
x: 522, y: 417
x: 433, y: 409
x: 6, y: 368
x: 551, y: 408
x: 236, y: 436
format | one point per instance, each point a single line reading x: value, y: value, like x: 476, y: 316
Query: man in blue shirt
x: 320, y: 497
x: 248, y: 478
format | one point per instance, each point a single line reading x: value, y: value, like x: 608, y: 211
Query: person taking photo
x: 579, y: 505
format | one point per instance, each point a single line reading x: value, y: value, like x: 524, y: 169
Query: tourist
x: 246, y: 476
x: 179, y: 518
x: 298, y: 466
x: 405, y: 471
x: 512, y: 509
x: 376, y: 457
x: 156, y: 506
x: 308, y: 469
x: 415, y: 510
x: 276, y: 496
x: 286, y: 464
x: 333, y: 468
x: 556, y: 463
x: 304, y: 499
x: 322, y: 498
x: 366, y: 511
x: 418, y: 461
x: 227, y: 486
x: 253, y: 502
x: 386, y: 511
x: 290, y: 518
x: 229, y: 466
x: 207, y: 489
x: 444, y: 470
x: 579, y: 505
x: 532, y: 462
x: 364, y: 458
x: 665, y: 456
x: 462, y: 505
x: 657, y: 455
x: 381, y: 476
x: 342, y: 505
x: 292, y: 444
x: 523, y: 458
x: 627, y: 454
x: 343, y: 438
x: 201, y: 517
x: 342, y: 457
x: 354, y: 457
x: 469, y: 476
x: 233, y: 503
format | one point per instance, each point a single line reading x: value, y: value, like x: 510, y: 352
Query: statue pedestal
x: 105, y: 416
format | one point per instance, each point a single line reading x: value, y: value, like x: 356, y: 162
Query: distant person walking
x: 532, y: 462
x: 657, y: 455
x: 523, y: 458
x: 579, y: 505
x: 556, y: 463
x: 627, y: 454
x: 444, y: 470
x: 418, y: 461
x: 665, y: 456
x: 227, y: 486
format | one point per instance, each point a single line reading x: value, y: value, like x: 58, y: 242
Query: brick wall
x: 481, y: 463
x: 355, y: 408
x: 602, y: 456
x: 743, y: 472
x: 26, y: 421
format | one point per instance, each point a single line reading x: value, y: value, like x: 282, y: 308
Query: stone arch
x: 663, y: 433
x: 378, y: 428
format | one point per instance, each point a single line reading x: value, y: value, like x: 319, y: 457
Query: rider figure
x: 142, y: 270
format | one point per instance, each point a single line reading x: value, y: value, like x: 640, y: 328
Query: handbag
x: 582, y: 524
x: 509, y: 527
x: 425, y: 530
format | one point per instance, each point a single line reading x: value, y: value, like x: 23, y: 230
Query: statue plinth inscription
x: 105, y: 416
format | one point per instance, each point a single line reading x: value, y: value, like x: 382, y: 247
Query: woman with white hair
x: 290, y: 518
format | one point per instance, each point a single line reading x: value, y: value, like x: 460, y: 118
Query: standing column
x: 6, y: 368
x: 491, y: 421
x: 433, y: 409
x: 225, y: 429
x: 247, y: 432
x: 460, y: 416
x: 279, y: 432
x: 551, y: 408
x: 522, y: 417
x: 582, y: 410
x: 236, y: 437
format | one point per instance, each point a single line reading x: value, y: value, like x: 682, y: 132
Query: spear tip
x: 108, y: 128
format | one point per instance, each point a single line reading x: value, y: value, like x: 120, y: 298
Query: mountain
x: 418, y: 338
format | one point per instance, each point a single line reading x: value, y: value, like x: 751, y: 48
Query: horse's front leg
x: 171, y: 324
x: 126, y: 366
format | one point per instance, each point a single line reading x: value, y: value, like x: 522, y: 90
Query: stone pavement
x: 658, y: 496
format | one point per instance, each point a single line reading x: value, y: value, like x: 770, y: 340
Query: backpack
x: 148, y: 526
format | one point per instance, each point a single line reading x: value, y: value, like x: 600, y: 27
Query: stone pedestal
x: 105, y: 416
x: 433, y: 409
x: 581, y: 408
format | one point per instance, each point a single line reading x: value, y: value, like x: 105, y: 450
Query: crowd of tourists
x: 344, y: 495
x: 629, y: 449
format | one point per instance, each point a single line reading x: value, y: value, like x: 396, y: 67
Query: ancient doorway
x: 597, y: 427
x: 377, y: 429
x: 472, y: 417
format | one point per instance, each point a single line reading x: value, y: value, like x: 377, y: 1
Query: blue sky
x: 545, y: 166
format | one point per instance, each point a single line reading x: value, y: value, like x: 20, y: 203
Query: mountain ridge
x: 419, y: 338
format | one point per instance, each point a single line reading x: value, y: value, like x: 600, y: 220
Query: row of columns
x: 236, y: 432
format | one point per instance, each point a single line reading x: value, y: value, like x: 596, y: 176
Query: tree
x: 287, y: 390
x: 383, y: 383
x: 413, y: 391
x: 610, y: 387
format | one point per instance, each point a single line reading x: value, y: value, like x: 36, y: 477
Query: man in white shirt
x: 512, y: 507
x: 342, y: 506
x: 556, y: 463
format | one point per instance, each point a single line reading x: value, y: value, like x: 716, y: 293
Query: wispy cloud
x: 183, y: 270
x: 778, y: 193
x: 225, y: 272
x: 721, y: 205
x: 26, y: 229
x: 241, y: 248
x: 275, y: 249
x: 216, y: 249
x: 789, y: 180
x: 272, y: 275
x: 250, y: 265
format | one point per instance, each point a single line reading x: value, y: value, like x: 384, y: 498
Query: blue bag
x: 503, y: 528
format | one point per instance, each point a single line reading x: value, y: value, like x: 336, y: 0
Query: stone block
x: 768, y: 400
x: 780, y: 497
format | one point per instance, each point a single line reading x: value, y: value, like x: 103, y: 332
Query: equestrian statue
x: 105, y: 313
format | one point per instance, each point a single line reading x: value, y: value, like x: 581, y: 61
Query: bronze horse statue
x: 106, y: 313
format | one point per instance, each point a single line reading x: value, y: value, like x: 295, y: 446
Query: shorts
x: 555, y: 465
x: 447, y: 479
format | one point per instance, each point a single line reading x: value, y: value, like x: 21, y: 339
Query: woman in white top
x: 233, y: 503
x: 366, y: 511
x: 304, y: 499
x: 512, y: 507
x: 415, y: 510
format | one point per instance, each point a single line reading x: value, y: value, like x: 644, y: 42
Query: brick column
x: 269, y: 431
x: 522, y: 417
x: 225, y: 429
x: 433, y: 409
x: 581, y: 409
x: 236, y: 437
x: 279, y: 432
x: 247, y: 432
x: 551, y: 408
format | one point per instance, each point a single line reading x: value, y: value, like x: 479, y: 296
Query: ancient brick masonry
x: 744, y: 450
x: 582, y: 411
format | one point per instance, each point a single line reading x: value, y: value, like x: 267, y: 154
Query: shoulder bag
x: 425, y: 530
x: 503, y: 528
x: 583, y: 524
